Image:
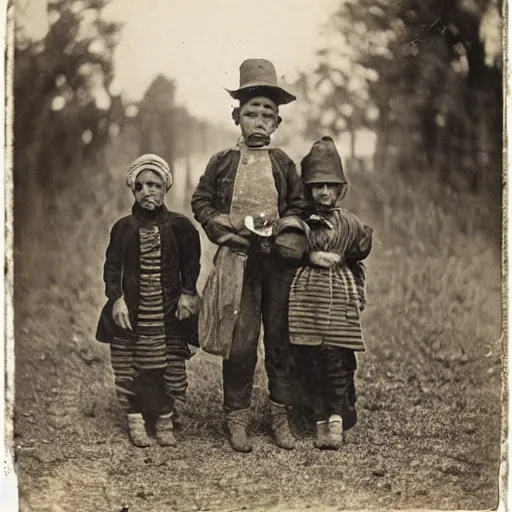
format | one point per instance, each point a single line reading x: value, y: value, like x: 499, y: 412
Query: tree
x: 61, y: 92
x: 426, y: 76
x: 157, y: 113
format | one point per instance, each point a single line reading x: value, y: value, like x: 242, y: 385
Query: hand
x: 188, y: 305
x: 233, y: 225
x: 237, y: 243
x: 120, y: 314
x: 324, y: 259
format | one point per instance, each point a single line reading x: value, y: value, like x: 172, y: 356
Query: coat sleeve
x: 296, y: 204
x: 203, y: 199
x: 216, y: 225
x: 113, y: 268
x: 190, y: 255
x: 362, y: 247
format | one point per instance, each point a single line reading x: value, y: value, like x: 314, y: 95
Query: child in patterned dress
x: 327, y: 296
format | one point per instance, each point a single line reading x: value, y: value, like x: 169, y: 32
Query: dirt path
x: 413, y: 447
x: 428, y: 435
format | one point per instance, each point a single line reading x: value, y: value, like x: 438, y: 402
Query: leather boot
x: 238, y: 423
x: 164, y: 427
x: 280, y: 426
x: 323, y: 439
x: 137, y: 430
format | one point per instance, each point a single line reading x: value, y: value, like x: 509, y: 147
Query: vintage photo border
x: 9, y: 477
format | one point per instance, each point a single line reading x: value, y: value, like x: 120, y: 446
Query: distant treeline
x: 65, y: 115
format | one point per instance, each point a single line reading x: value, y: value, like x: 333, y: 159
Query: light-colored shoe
x: 323, y: 440
x: 137, y: 430
x: 164, y: 427
x: 281, y: 427
x: 336, y: 430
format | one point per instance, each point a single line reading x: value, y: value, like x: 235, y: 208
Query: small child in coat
x: 150, y: 274
x: 327, y: 296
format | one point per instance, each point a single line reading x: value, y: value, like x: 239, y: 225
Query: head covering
x: 149, y: 162
x: 258, y: 77
x: 323, y: 165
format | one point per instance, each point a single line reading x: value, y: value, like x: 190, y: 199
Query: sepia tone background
x: 412, y: 93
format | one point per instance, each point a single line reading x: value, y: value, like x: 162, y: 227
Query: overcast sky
x: 202, y: 43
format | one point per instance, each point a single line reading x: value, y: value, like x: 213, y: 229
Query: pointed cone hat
x: 323, y: 164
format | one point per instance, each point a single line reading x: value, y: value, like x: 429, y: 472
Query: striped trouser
x: 148, y: 372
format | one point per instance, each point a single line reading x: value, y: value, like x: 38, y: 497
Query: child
x: 327, y: 296
x: 150, y: 274
x: 250, y: 180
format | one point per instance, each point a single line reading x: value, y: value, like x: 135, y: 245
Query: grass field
x: 428, y: 386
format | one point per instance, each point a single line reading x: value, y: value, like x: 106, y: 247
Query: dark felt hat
x: 323, y: 164
x: 259, y: 77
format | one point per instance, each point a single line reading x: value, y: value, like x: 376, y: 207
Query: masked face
x: 258, y: 121
x: 325, y: 195
x: 149, y: 190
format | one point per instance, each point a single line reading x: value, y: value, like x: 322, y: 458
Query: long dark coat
x: 181, y: 253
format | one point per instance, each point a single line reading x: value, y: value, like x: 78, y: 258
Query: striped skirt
x: 153, y: 350
x: 324, y: 308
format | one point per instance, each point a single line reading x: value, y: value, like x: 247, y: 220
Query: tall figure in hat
x: 327, y: 296
x: 240, y: 188
x: 150, y: 273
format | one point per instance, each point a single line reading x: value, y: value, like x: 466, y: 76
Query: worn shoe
x: 164, y: 428
x: 281, y: 427
x: 238, y: 423
x: 336, y: 431
x: 323, y: 439
x: 137, y: 430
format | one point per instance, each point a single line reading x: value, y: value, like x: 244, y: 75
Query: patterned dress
x: 325, y: 303
x: 324, y: 322
x: 152, y: 348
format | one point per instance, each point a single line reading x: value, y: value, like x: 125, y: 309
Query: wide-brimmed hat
x: 259, y: 77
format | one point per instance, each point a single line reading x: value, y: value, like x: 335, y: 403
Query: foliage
x: 426, y: 76
x: 169, y: 129
x: 61, y: 90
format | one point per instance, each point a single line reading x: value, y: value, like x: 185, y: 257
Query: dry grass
x: 428, y: 386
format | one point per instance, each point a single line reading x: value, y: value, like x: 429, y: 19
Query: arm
x: 296, y: 203
x: 216, y: 225
x: 291, y: 237
x: 294, y: 199
x: 359, y: 272
x: 113, y: 268
x: 359, y: 243
x: 113, y: 275
x: 362, y: 247
x: 203, y: 199
x: 189, y: 247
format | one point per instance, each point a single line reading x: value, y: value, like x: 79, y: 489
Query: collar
x: 242, y: 146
